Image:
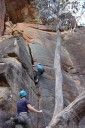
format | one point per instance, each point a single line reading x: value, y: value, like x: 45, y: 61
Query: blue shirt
x: 22, y: 106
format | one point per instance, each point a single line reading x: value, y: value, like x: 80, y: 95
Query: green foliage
x: 51, y: 11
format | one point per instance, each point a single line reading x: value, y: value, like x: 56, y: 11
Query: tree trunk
x: 71, y: 115
x: 58, y: 79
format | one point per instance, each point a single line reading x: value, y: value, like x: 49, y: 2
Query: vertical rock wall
x: 2, y: 15
x: 21, y: 10
x: 15, y: 74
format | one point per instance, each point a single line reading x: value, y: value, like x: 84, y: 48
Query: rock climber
x: 38, y: 71
x: 23, y: 108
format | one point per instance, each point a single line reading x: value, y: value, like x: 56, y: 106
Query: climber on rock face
x: 23, y: 108
x: 38, y: 71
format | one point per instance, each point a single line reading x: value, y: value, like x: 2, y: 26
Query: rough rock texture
x: 46, y: 83
x: 16, y: 73
x: 2, y: 15
x: 75, y: 45
x: 17, y: 57
x: 41, y: 41
x: 21, y: 10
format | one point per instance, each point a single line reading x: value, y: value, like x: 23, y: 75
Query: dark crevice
x: 3, y: 81
x: 46, y: 30
x: 37, y: 87
x: 12, y: 54
x: 31, y: 54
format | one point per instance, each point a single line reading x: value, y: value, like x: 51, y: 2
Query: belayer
x: 38, y: 71
x: 23, y: 108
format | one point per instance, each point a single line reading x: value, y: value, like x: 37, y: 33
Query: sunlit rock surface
x: 39, y: 47
x: 21, y: 10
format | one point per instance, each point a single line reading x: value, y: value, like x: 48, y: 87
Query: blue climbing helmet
x: 40, y: 69
x: 39, y: 66
x: 22, y: 93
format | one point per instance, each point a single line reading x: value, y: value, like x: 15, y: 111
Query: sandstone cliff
x: 24, y: 44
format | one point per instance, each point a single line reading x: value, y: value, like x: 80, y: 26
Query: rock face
x: 30, y: 44
x: 42, y: 46
x: 21, y: 10
x: 74, y: 43
x: 16, y: 73
x: 2, y: 16
x: 16, y: 59
x: 42, y: 41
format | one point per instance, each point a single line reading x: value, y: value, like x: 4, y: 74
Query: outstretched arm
x: 31, y: 108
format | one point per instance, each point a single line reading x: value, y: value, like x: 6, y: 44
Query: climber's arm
x: 31, y: 108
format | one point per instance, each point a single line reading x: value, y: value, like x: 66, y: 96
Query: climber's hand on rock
x: 40, y: 111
